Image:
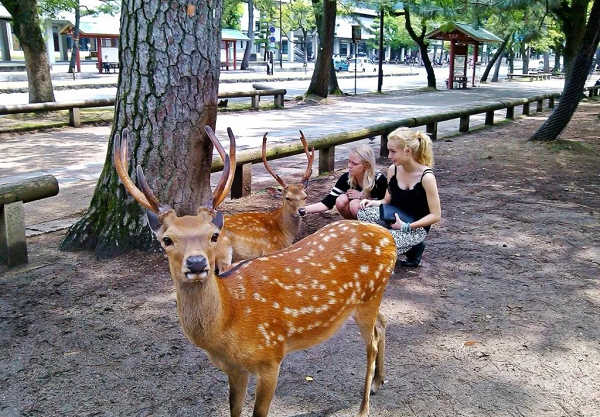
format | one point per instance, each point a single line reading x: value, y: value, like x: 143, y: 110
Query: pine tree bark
x: 167, y: 93
x: 575, y: 82
x: 27, y: 28
x: 321, y: 78
x: 246, y: 60
x: 420, y: 41
x: 571, y: 16
x: 497, y: 55
x: 75, y: 50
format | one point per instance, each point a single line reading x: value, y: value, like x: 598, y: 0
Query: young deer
x: 250, y: 317
x: 252, y: 234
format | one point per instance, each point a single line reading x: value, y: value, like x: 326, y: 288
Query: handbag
x: 387, y: 211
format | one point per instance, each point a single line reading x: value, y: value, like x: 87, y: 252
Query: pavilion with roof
x: 460, y: 36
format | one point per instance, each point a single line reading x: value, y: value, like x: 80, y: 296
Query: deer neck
x: 288, y: 224
x: 199, y: 308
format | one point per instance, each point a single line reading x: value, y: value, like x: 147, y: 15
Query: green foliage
x: 233, y: 11
x: 52, y: 8
x: 298, y: 14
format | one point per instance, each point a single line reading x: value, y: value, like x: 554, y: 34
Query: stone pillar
x: 464, y: 124
x: 326, y: 160
x: 5, y: 43
x: 50, y: 42
x: 291, y: 46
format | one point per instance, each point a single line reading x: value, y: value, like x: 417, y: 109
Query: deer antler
x: 264, y: 158
x: 145, y: 197
x: 310, y: 156
x: 229, y: 165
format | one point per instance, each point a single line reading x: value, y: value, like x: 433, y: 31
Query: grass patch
x: 568, y: 145
x: 53, y: 119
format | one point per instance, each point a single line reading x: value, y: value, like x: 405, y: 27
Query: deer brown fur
x: 250, y: 317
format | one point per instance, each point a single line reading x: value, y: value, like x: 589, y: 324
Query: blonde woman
x: 361, y: 181
x: 412, y: 188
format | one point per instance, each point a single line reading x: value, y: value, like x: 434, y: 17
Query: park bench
x: 531, y: 76
x: 113, y: 66
x: 459, y: 81
x: 13, y: 194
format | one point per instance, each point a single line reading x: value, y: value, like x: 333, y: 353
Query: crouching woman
x: 413, y: 189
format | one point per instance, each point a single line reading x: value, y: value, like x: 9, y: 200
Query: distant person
x: 361, y: 181
x: 106, y: 65
x: 413, y: 189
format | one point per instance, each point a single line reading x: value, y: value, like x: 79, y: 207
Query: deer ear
x: 275, y: 192
x: 153, y: 220
x: 219, y: 220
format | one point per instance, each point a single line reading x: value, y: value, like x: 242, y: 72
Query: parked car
x: 340, y: 64
x: 362, y: 65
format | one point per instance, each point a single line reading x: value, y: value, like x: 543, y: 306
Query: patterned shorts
x: 404, y: 240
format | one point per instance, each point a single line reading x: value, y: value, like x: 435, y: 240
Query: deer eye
x: 288, y: 199
x: 167, y: 241
x: 214, y: 237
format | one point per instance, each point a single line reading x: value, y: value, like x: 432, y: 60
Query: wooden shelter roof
x: 463, y: 33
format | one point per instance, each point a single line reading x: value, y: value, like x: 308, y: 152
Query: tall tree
x: 562, y: 114
x: 27, y: 28
x: 299, y: 15
x: 233, y: 11
x: 421, y: 42
x: 572, y: 17
x: 325, y: 15
x: 250, y: 44
x: 167, y: 93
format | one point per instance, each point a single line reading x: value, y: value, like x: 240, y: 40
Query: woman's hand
x: 400, y: 225
x: 354, y: 195
x: 369, y: 203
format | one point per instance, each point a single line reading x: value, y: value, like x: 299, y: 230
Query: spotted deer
x: 250, y: 317
x: 251, y: 234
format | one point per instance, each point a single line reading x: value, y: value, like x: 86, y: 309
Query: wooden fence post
x: 74, y: 117
x: 255, y: 101
x: 13, y: 243
x: 242, y: 181
x: 540, y: 105
x: 327, y: 160
x: 510, y: 112
x: 383, y: 150
x: 464, y: 124
x: 525, y: 109
x: 551, y: 102
x: 431, y: 128
x: 489, y: 118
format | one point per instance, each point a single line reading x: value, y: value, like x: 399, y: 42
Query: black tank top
x: 412, y: 201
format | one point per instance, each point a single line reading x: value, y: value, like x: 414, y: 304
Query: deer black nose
x: 196, y: 264
x: 302, y: 212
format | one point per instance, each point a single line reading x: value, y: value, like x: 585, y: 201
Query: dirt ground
x: 502, y: 319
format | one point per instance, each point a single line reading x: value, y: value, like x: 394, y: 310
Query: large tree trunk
x: 497, y: 70
x: 525, y: 56
x: 420, y: 40
x: 167, y: 93
x: 26, y: 25
x: 319, y: 83
x: 248, y: 50
x: 496, y: 56
x: 572, y: 20
x: 75, y: 50
x: 575, y: 82
x: 557, y: 54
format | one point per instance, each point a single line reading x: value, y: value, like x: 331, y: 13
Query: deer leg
x: 238, y: 384
x: 379, y: 377
x: 266, y: 382
x: 365, y: 319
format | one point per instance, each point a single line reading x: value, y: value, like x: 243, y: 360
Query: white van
x: 362, y: 65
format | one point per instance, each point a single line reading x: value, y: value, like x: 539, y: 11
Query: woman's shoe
x: 413, y: 256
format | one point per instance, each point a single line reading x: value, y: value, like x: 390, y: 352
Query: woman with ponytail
x: 413, y: 189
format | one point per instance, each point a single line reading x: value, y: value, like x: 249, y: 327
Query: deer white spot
x: 365, y: 247
x: 354, y: 241
x: 377, y: 250
x: 331, y: 294
x: 264, y: 278
x: 298, y: 271
x: 364, y: 269
x: 315, y: 297
x: 332, y: 301
x: 275, y: 305
x: 263, y: 330
x: 248, y: 310
x: 377, y: 273
x: 325, y: 271
x: 299, y: 293
x: 258, y: 297
x: 321, y: 247
x: 371, y: 284
x: 280, y: 338
x: 288, y: 269
x: 326, y: 238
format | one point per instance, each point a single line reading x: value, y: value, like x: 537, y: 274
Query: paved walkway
x: 76, y: 156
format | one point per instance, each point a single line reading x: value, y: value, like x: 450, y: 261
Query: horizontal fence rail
x: 75, y: 105
x: 326, y: 144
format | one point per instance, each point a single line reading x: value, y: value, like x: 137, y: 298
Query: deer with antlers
x: 252, y: 234
x: 248, y: 318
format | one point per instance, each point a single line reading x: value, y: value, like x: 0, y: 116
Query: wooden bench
x: 113, y: 66
x: 13, y: 194
x: 531, y: 77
